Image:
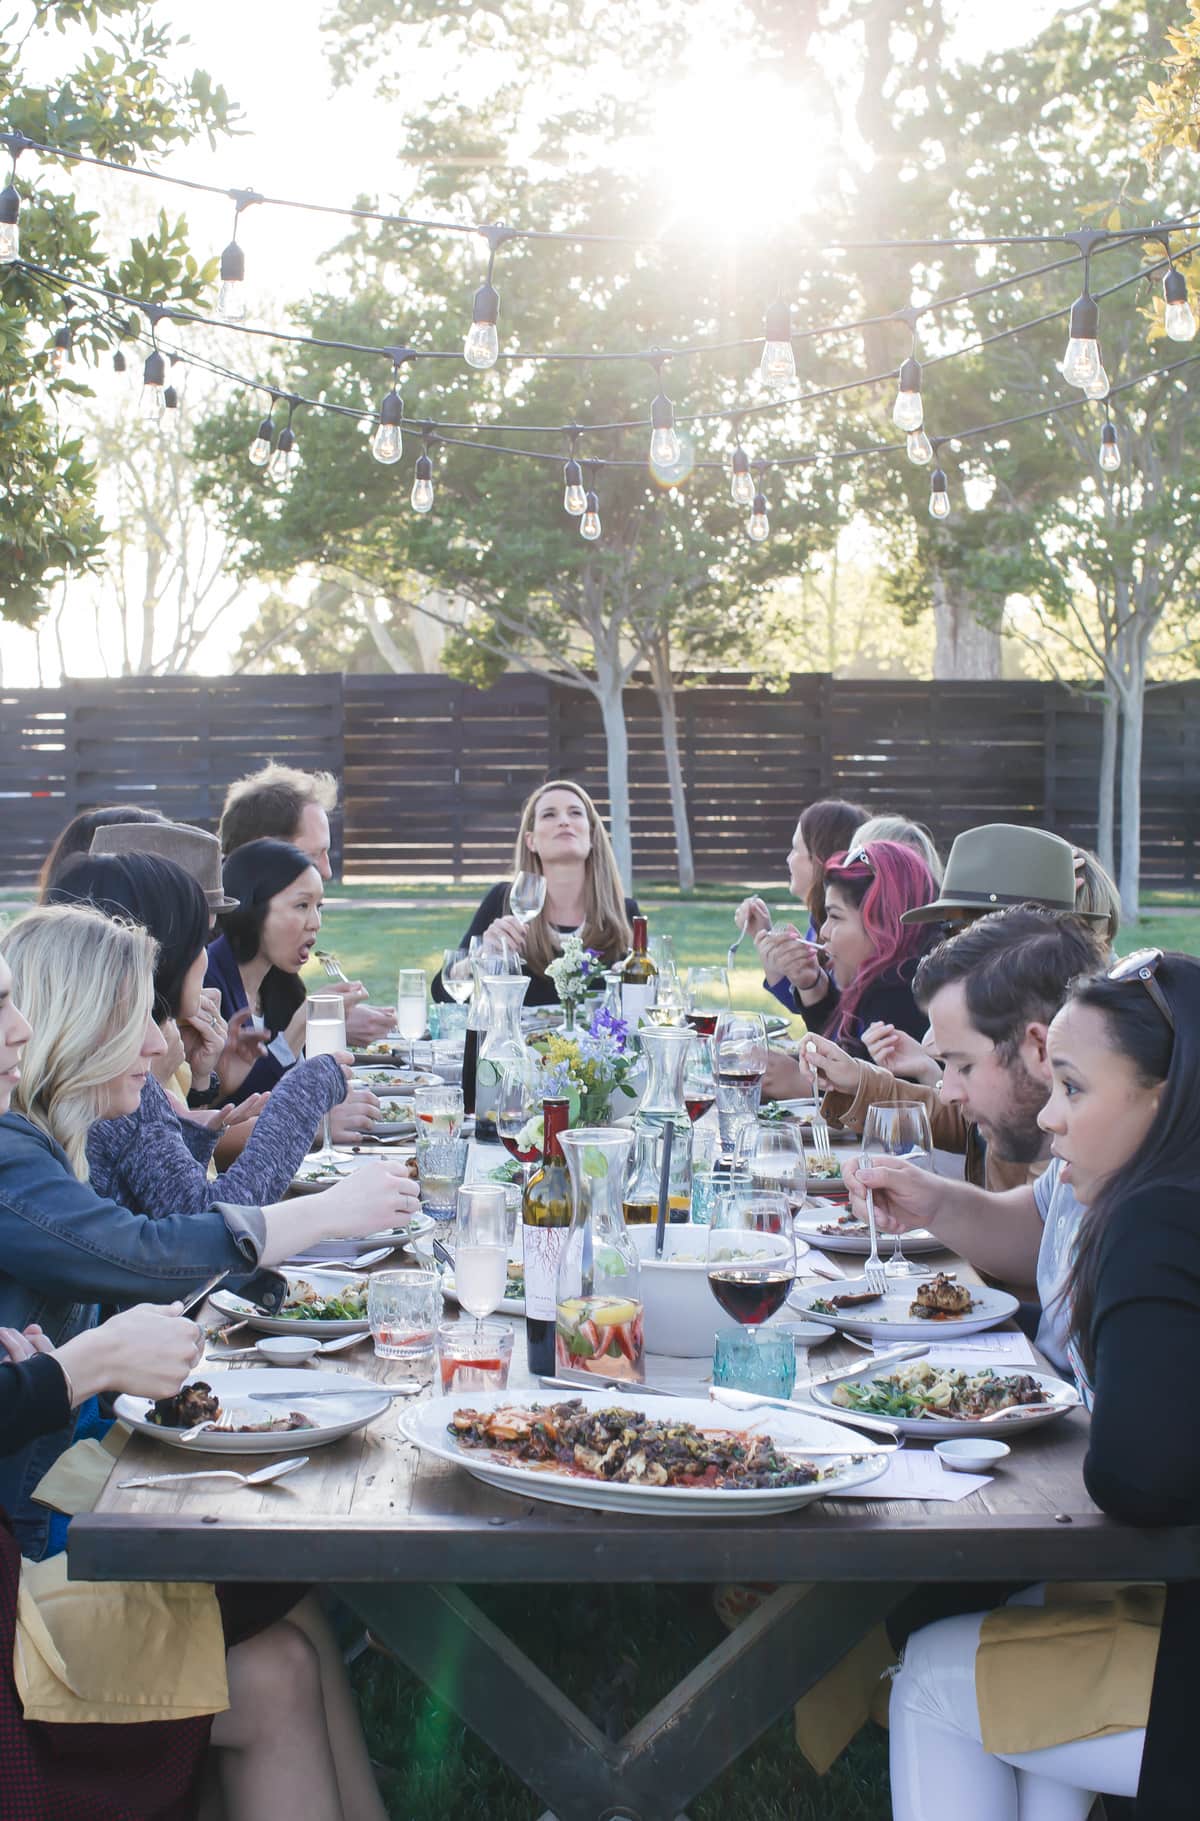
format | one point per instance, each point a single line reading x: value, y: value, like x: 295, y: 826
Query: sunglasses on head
x: 859, y: 856
x: 1142, y: 965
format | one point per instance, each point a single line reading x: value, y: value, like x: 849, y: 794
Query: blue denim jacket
x: 64, y: 1250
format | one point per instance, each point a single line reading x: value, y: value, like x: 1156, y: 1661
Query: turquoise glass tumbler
x: 761, y: 1360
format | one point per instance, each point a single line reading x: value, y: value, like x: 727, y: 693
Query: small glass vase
x: 570, y: 1010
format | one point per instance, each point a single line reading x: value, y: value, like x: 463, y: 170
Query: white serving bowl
x: 806, y: 1334
x: 971, y: 1454
x: 287, y: 1349
x: 680, y: 1313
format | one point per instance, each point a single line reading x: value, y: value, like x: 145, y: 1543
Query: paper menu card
x: 914, y: 1475
x: 993, y: 1348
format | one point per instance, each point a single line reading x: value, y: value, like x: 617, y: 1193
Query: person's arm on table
x: 998, y: 1234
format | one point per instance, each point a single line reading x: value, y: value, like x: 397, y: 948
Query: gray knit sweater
x: 157, y: 1163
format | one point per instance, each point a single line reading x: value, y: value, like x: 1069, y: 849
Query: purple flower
x: 607, y: 1024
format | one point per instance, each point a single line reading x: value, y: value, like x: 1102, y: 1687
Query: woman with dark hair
x: 1046, y: 1705
x: 76, y: 838
x: 256, y: 960
x: 872, y: 955
x: 154, y: 1159
x: 825, y: 828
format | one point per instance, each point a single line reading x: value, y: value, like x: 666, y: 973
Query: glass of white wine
x: 411, y: 1014
x: 458, y: 975
x: 526, y: 895
x: 483, y: 1233
x: 325, y: 1033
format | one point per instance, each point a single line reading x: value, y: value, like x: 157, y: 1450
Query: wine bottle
x: 639, y: 978
x: 546, y: 1212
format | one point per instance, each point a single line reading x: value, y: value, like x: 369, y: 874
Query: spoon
x: 262, y: 1476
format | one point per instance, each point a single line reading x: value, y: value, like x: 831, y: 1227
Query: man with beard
x: 990, y: 993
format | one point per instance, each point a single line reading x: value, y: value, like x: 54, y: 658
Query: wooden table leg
x: 731, y: 1697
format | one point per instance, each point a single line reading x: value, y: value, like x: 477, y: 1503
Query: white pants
x: 940, y: 1770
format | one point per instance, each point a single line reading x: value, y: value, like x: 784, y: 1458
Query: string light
x: 1081, y: 362
x: 170, y: 399
x: 939, y: 495
x: 119, y: 362
x: 741, y: 487
x: 264, y: 442
x: 1098, y: 387
x: 154, y: 379
x: 231, y: 297
x: 589, y: 524
x: 664, y: 443
x: 60, y: 352
x: 1110, y: 449
x: 286, y: 459
x: 908, y: 412
x: 481, y: 349
x: 574, y: 497
x: 10, y: 225
x: 422, y: 488
x: 758, y: 528
x: 1180, y: 323
x: 387, y: 444
x: 918, y: 448
x: 777, y: 367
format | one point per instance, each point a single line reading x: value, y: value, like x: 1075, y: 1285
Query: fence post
x: 1050, y: 757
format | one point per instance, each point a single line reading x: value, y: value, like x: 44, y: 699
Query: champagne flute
x: 324, y: 1034
x: 482, y: 1238
x: 899, y: 1130
x: 751, y: 1255
x: 526, y: 896
x: 411, y: 1013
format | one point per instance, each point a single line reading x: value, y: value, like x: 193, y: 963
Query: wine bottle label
x: 634, y: 1001
x: 543, y: 1247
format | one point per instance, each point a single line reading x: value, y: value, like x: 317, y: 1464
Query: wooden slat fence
x: 434, y: 773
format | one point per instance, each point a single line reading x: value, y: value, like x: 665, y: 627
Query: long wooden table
x: 396, y: 1536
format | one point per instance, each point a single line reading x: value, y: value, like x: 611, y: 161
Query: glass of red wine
x: 518, y: 1124
x: 699, y: 1088
x: 751, y: 1255
x: 707, y: 997
x: 739, y: 1049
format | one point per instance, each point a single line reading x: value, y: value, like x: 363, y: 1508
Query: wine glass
x: 739, y: 1049
x: 699, y: 1087
x: 483, y: 1233
x: 707, y: 997
x: 899, y: 1130
x: 410, y: 1007
x: 518, y: 1103
x: 772, y: 1158
x: 751, y: 1255
x: 458, y: 977
x: 526, y: 896
x: 670, y: 1001
x: 325, y: 1033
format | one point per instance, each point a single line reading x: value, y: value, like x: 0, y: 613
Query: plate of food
x: 394, y: 1080
x: 835, y: 1228
x: 629, y: 1451
x: 258, y: 1428
x: 396, y: 1118
x: 824, y: 1178
x: 912, y: 1311
x: 807, y: 1113
x: 950, y: 1397
x: 319, y: 1304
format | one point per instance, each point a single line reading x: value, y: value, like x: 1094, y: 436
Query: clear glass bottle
x: 503, y: 1047
x: 599, y: 1303
x: 546, y: 1216
x: 666, y: 1049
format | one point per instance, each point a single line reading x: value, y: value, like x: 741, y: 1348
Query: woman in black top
x: 562, y: 836
x: 1125, y: 1117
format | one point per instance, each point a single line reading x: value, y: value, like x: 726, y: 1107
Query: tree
x: 117, y: 103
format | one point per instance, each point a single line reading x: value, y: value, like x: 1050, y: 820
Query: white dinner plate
x: 403, y: 1124
x: 889, y: 1318
x: 426, y: 1425
x: 326, y: 1283
x: 332, y: 1419
x: 390, y: 1078
x: 810, y: 1220
x: 1063, y: 1397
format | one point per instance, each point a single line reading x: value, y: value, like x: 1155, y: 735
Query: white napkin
x: 912, y: 1474
x: 992, y: 1348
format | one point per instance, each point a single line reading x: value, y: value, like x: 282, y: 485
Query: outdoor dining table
x: 397, y: 1535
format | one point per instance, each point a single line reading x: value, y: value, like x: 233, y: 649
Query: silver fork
x: 734, y: 946
x: 333, y: 967
x: 874, y: 1271
x: 224, y: 1422
x: 822, y: 1148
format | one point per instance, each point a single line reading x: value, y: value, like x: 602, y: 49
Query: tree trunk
x: 963, y: 646
x: 1133, y: 707
x: 616, y: 742
x: 1106, y: 802
x: 664, y: 692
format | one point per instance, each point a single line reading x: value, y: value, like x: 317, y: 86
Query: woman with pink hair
x: 871, y: 956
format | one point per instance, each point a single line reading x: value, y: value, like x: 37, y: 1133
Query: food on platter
x: 629, y: 1447
x: 921, y: 1389
x: 942, y: 1299
x: 830, y: 1305
x: 304, y: 1303
x: 198, y: 1403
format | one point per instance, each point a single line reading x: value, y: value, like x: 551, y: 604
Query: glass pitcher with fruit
x: 599, y: 1304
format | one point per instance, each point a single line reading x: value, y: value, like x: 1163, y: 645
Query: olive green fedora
x: 198, y: 852
x: 998, y: 865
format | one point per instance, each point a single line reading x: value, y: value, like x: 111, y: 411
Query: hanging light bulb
x: 387, y: 444
x: 589, y: 524
x: 1180, y: 322
x: 482, y: 346
x: 60, y: 352
x: 939, y: 495
x: 10, y: 228
x: 574, y: 497
x: 170, y: 399
x: 918, y: 448
x: 1081, y: 362
x: 286, y: 459
x: 422, y: 489
x: 759, y: 527
x: 1097, y: 386
x: 264, y: 442
x: 119, y: 362
x: 778, y: 364
x: 664, y: 443
x: 908, y: 412
x: 741, y: 489
x: 154, y: 378
x: 231, y: 298
x: 1110, y: 449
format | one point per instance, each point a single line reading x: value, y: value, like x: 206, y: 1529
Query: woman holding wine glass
x: 565, y: 882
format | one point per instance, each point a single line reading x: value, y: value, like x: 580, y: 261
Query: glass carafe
x: 666, y: 1049
x: 502, y: 1048
x: 599, y: 1303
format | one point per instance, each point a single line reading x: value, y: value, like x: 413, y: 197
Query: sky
x: 302, y: 138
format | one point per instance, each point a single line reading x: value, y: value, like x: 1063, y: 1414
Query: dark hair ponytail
x: 1170, y: 1151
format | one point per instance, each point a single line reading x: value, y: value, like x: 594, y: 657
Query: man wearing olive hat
x: 1001, y: 864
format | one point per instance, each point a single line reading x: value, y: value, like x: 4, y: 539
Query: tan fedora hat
x: 198, y: 852
x: 998, y: 865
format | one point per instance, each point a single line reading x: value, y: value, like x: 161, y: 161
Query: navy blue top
x: 225, y: 975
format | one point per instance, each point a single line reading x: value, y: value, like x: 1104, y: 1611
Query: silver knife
x: 588, y: 1382
x: 411, y: 1389
x: 891, y: 1358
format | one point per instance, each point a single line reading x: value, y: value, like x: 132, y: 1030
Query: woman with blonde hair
x: 562, y: 837
x: 905, y: 834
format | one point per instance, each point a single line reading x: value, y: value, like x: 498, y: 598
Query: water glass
x: 438, y: 1110
x: 474, y: 1356
x: 404, y: 1309
x: 451, y: 1031
x: 709, y: 1180
x: 441, y: 1167
x: 759, y: 1360
x: 737, y: 1111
